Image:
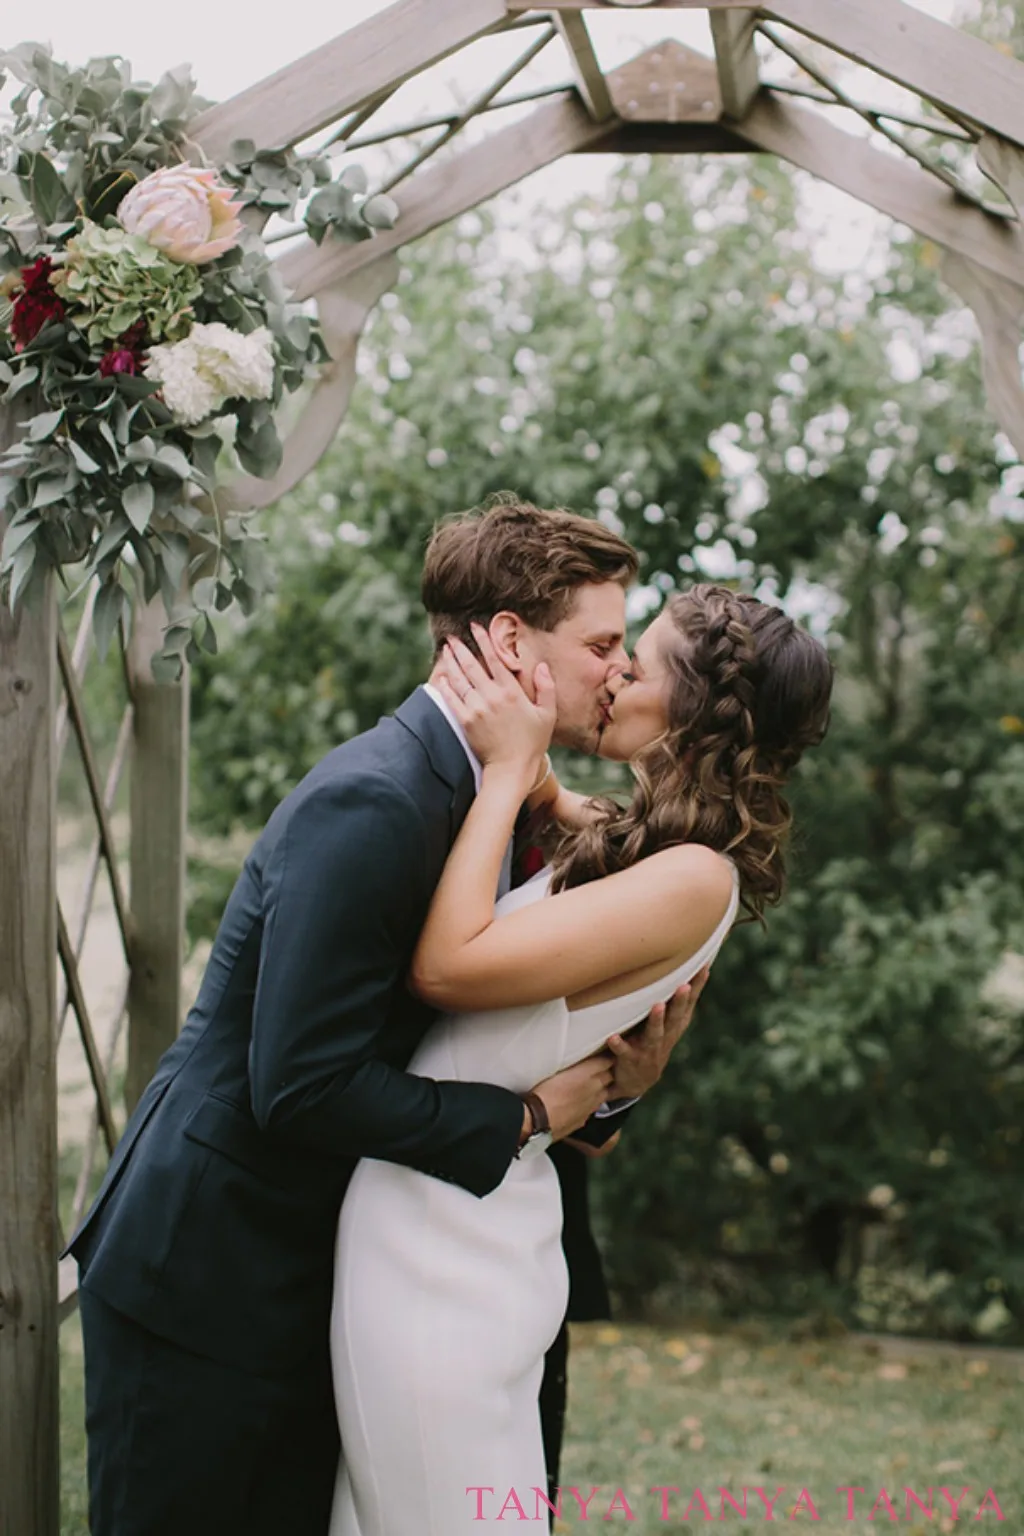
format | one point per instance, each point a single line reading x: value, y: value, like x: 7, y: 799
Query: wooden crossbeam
x: 80, y: 654
x: 590, y: 80
x: 342, y: 75
x: 890, y: 183
x: 76, y: 711
x: 736, y: 56
x: 81, y: 1196
x: 939, y: 62
x: 445, y: 191
x: 92, y: 1055
x: 95, y: 855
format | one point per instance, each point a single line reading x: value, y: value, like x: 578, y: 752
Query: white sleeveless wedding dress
x: 445, y: 1304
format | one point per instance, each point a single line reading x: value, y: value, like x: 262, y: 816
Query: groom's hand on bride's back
x: 642, y: 1055
x: 571, y: 1096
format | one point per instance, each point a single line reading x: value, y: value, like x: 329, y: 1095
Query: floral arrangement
x: 146, y: 340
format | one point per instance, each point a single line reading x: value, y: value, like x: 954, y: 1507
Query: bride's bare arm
x: 667, y: 905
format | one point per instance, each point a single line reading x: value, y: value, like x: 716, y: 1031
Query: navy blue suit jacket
x: 215, y: 1224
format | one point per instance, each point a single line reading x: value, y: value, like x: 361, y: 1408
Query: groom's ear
x: 506, y: 632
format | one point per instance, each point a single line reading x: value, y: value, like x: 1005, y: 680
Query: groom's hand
x: 571, y: 1096
x: 642, y: 1055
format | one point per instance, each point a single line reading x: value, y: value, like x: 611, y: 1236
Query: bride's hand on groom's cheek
x: 502, y: 724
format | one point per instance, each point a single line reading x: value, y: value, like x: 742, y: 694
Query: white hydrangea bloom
x: 212, y: 365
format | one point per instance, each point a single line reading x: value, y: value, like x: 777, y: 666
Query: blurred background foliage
x: 841, y: 1133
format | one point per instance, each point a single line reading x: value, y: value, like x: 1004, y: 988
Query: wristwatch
x: 540, y: 1137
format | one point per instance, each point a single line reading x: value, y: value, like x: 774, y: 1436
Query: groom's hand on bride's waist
x: 571, y: 1096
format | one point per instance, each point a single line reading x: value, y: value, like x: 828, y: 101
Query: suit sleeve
x: 601, y: 1128
x: 345, y: 892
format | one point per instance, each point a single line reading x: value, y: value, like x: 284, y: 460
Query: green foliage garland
x: 105, y: 477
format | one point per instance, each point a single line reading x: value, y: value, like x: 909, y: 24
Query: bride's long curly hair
x: 749, y: 692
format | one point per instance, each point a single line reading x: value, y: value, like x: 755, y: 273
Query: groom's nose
x: 618, y: 662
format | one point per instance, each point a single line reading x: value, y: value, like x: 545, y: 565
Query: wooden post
x: 29, y: 1397
x: 158, y: 804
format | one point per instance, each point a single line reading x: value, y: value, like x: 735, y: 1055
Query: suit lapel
x: 447, y: 758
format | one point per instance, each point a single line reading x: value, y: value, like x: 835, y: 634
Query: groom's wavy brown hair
x: 508, y: 556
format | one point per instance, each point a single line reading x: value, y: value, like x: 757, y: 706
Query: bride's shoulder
x: 694, y: 866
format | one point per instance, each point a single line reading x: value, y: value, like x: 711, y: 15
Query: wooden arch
x: 668, y: 99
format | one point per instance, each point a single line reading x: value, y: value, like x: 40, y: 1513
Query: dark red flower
x: 125, y: 356
x: 532, y: 861
x: 35, y: 304
x: 118, y: 360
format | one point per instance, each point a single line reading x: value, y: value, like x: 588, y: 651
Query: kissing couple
x: 333, y: 1204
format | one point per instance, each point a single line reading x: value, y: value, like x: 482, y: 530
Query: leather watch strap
x: 535, y: 1104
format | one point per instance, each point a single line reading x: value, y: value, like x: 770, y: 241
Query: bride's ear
x: 506, y: 632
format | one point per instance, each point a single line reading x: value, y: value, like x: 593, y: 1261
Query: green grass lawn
x: 656, y: 1408
x: 662, y: 1408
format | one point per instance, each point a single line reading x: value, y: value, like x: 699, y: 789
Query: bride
x: 444, y: 1304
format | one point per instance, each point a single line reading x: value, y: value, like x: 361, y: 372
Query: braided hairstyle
x: 749, y: 691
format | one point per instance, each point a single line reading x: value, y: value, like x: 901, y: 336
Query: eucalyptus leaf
x: 353, y: 178
x: 47, y: 191
x: 85, y: 462
x: 22, y: 380
x: 204, y: 592
x: 167, y: 667
x: 137, y: 500
x: 171, y: 458
x: 113, y: 538
x: 49, y: 489
x: 21, y: 571
x: 44, y: 425
x: 16, y: 535
x: 260, y: 452
x: 174, y: 556
x: 111, y: 606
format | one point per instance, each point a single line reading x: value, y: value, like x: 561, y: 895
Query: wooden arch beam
x: 434, y: 196
x: 346, y: 73
x: 890, y: 183
x: 444, y: 191
x: 941, y: 63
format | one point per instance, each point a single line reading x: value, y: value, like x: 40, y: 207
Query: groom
x: 207, y: 1259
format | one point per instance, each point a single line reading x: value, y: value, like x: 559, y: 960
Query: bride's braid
x: 749, y: 692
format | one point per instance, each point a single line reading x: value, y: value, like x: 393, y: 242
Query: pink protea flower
x: 185, y: 212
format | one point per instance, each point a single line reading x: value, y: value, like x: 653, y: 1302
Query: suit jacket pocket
x: 229, y: 1129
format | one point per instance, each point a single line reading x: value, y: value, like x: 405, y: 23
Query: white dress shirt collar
x: 436, y: 697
